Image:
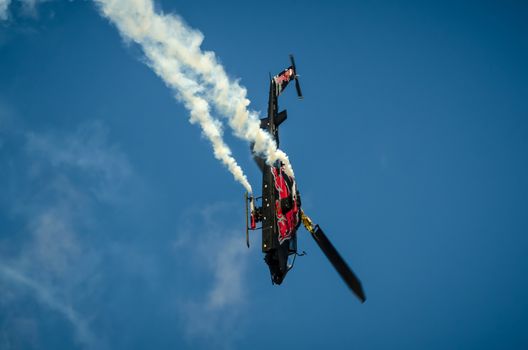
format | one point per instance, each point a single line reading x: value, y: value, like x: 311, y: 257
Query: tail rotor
x: 296, y: 77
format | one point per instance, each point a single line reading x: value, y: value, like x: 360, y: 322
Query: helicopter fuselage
x: 280, y: 201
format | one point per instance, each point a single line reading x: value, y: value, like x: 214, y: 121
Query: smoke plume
x: 178, y: 46
x: 187, y: 90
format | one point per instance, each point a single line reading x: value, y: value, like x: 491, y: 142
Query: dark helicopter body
x: 280, y: 211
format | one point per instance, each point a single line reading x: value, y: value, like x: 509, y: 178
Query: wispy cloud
x: 228, y: 265
x: 86, y: 152
x: 27, y: 8
x: 54, y: 192
x: 45, y: 296
x: 214, y: 316
x: 4, y: 5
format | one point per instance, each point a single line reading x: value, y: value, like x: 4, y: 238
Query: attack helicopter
x: 279, y: 211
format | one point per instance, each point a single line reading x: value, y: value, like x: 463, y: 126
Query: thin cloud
x: 86, y: 151
x: 27, y: 8
x: 45, y: 296
x: 4, y: 5
x: 214, y: 316
x: 55, y: 189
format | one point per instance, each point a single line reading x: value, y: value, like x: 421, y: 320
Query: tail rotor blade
x: 293, y: 63
x: 339, y: 264
x: 298, y: 87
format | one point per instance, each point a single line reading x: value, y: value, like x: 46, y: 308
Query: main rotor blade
x: 339, y: 264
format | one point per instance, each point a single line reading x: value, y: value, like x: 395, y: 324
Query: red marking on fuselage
x: 286, y: 222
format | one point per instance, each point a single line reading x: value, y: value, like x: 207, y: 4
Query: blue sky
x: 120, y: 230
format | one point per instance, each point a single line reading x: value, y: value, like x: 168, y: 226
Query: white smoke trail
x: 176, y: 42
x: 187, y: 90
x: 199, y: 108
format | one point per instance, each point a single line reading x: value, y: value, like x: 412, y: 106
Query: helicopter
x: 280, y: 212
